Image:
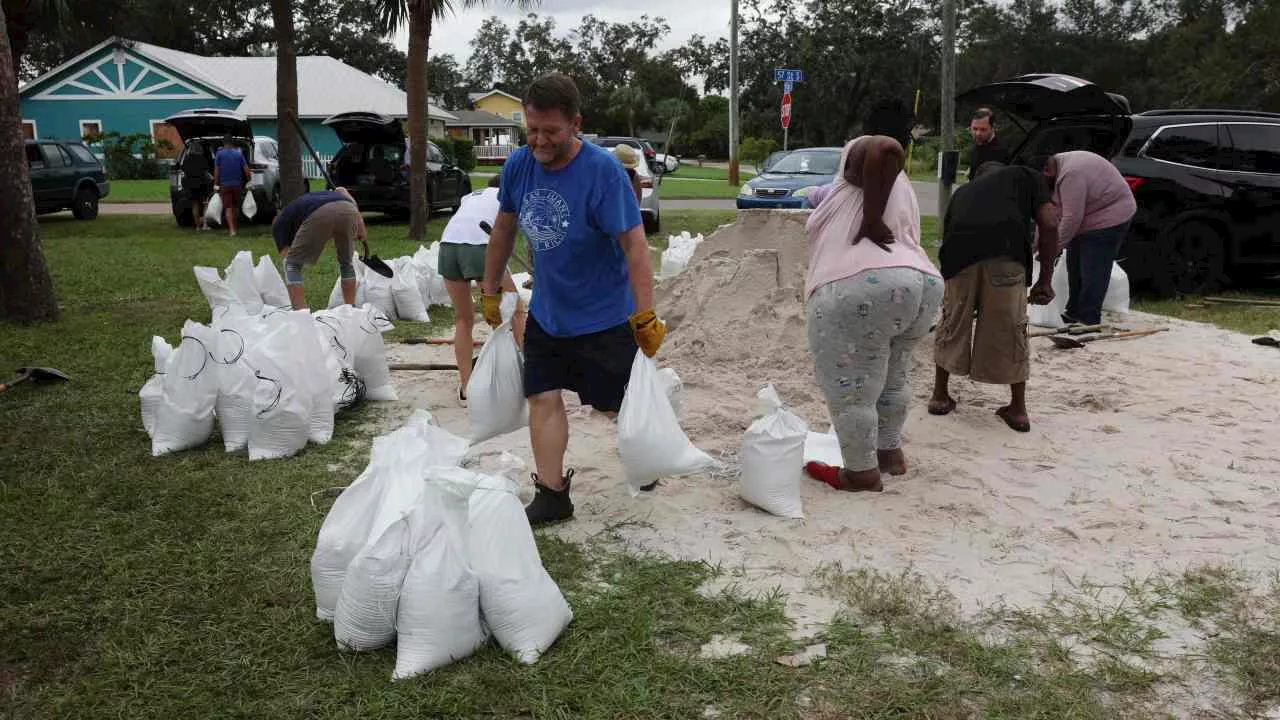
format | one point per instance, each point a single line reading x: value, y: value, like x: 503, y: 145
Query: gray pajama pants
x: 861, y: 333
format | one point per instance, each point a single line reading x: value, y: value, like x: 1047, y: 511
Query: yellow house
x: 498, y: 103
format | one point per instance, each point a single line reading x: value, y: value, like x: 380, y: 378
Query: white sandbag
x: 377, y: 292
x: 313, y: 358
x: 213, y: 213
x: 153, y: 390
x: 270, y: 285
x: 237, y: 380
x: 184, y: 417
x: 650, y: 441
x: 241, y: 280
x: 365, y: 617
x: 250, y: 205
x: 1050, y: 315
x: 522, y: 606
x: 406, y: 293
x: 823, y: 448
x: 216, y: 290
x: 495, y: 392
x: 335, y: 296
x: 673, y: 388
x: 679, y: 252
x: 773, y: 458
x: 364, y: 326
x: 438, y: 616
x: 1117, y: 298
x: 430, y: 282
x: 282, y: 398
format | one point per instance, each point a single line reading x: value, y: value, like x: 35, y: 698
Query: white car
x: 670, y: 162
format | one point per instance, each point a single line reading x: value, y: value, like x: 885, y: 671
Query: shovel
x: 373, y: 262
x: 1068, y: 329
x: 40, y: 375
x: 1069, y: 343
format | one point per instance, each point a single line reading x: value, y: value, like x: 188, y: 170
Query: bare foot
x: 893, y: 462
x: 861, y: 480
x: 1015, y: 419
x: 941, y: 405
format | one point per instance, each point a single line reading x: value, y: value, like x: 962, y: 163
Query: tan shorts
x: 336, y: 220
x: 994, y: 348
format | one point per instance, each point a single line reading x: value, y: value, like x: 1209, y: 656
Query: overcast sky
x: 684, y: 17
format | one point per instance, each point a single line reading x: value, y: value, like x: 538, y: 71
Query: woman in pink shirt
x: 872, y: 295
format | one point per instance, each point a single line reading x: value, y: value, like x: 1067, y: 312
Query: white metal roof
x: 326, y: 86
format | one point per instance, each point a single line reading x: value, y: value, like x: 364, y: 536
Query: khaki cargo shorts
x: 338, y: 221
x: 994, y: 347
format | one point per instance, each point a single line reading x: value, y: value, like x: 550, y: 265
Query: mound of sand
x: 1158, y: 453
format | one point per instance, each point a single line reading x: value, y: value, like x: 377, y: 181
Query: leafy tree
x: 630, y: 104
x: 444, y: 77
x: 755, y: 150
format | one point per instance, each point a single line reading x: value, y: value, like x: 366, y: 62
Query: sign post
x: 788, y: 78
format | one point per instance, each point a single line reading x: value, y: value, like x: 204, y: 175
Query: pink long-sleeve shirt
x: 1091, y: 194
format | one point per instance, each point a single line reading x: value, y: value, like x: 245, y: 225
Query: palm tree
x: 629, y: 103
x: 418, y: 15
x: 291, y: 183
x: 26, y: 290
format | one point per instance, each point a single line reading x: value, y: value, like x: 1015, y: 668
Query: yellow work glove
x: 491, y: 308
x: 649, y: 331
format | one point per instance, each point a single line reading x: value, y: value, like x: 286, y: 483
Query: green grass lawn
x: 675, y: 188
x: 689, y: 169
x: 178, y: 587
x: 138, y: 191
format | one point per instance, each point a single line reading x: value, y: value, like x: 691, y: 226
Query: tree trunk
x: 291, y: 183
x: 26, y: 291
x: 419, y: 41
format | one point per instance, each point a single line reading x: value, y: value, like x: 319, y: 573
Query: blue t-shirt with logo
x: 231, y: 165
x: 572, y: 218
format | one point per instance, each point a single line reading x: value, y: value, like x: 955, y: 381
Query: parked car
x: 772, y: 160
x: 373, y: 165
x: 66, y: 176
x: 202, y: 131
x: 670, y: 163
x: 787, y: 182
x: 643, y: 146
x: 650, y: 204
x: 1207, y: 182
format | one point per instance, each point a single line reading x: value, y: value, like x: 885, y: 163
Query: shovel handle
x: 1131, y: 334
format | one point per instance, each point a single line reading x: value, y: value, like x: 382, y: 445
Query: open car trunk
x: 1057, y: 113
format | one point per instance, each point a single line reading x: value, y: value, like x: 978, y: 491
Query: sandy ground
x: 1151, y: 454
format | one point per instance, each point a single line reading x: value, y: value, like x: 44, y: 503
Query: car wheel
x: 1194, y: 260
x: 86, y: 204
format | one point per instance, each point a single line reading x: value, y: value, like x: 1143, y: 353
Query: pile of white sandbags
x: 245, y: 285
x: 434, y: 557
x: 273, y: 380
x: 678, y: 254
x: 416, y: 286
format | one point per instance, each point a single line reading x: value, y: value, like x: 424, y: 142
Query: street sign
x: 786, y: 111
x: 788, y: 75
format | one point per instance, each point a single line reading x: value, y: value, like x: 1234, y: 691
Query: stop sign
x: 786, y: 110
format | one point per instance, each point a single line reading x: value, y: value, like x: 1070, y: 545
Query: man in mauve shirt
x: 1095, y: 206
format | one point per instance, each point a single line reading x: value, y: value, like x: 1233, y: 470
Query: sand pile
x: 736, y: 322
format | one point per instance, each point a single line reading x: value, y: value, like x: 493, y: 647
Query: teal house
x: 130, y: 87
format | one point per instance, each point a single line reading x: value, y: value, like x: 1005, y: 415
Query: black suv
x: 373, y: 165
x: 65, y: 175
x: 1207, y: 182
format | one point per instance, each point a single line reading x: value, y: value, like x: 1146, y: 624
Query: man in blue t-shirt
x: 594, y: 301
x: 230, y: 174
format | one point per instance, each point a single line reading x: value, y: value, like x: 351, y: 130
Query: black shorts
x: 596, y: 366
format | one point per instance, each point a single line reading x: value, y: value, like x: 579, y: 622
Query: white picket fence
x: 309, y: 167
x: 493, y: 152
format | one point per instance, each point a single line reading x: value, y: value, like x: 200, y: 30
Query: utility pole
x: 733, y: 92
x: 949, y: 161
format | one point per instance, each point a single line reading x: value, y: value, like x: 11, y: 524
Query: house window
x: 517, y: 116
x: 90, y: 127
x: 162, y: 132
x: 29, y: 130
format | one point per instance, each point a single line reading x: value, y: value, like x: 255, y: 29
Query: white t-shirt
x: 464, y: 226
